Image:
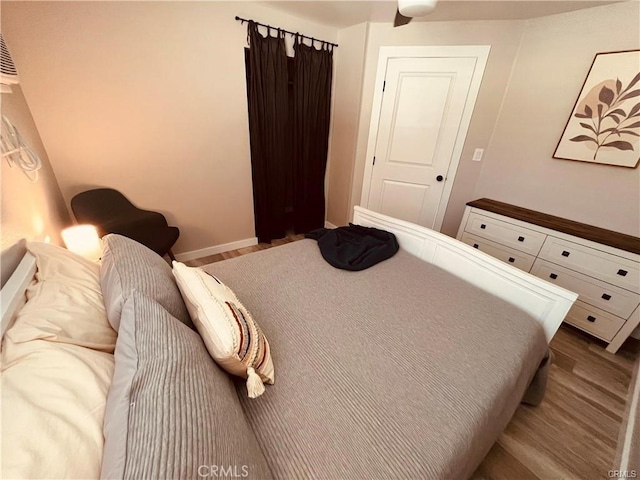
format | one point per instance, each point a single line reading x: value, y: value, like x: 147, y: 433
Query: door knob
x: 439, y: 178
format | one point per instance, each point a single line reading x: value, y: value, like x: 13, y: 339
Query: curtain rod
x: 243, y: 20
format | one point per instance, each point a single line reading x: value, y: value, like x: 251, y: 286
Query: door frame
x: 481, y: 53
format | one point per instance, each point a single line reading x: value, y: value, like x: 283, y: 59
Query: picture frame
x: 604, y: 125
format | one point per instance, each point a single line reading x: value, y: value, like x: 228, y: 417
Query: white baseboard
x: 225, y: 247
x: 329, y: 225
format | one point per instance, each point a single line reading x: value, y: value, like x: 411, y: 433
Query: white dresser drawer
x: 512, y: 257
x: 601, y: 266
x: 605, y: 296
x: 595, y: 263
x: 504, y: 233
x: 594, y: 321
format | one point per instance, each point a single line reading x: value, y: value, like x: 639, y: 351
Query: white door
x: 424, y: 112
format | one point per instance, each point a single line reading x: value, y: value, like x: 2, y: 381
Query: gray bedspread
x: 398, y: 371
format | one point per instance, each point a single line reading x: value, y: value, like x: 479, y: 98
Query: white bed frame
x: 12, y: 295
x: 546, y: 302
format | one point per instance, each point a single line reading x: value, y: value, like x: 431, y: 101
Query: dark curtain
x: 311, y: 115
x: 268, y: 112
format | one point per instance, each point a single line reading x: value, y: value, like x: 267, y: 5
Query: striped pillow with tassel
x: 232, y: 337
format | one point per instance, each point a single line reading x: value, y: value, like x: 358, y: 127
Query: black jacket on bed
x: 354, y: 247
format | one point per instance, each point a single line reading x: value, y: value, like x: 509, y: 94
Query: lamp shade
x: 83, y: 240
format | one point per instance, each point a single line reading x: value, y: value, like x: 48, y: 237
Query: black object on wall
x: 289, y: 113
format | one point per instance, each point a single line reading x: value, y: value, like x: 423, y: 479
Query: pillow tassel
x: 255, y: 387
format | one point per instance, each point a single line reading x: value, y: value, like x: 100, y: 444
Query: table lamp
x: 83, y: 240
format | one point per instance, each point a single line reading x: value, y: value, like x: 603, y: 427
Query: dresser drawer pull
x: 521, y: 239
x: 475, y: 245
x: 511, y: 259
x: 483, y: 226
x: 606, y: 296
x: 591, y: 318
x: 554, y: 276
x: 565, y: 253
x: 622, y: 273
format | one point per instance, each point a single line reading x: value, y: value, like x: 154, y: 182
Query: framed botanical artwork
x: 604, y: 126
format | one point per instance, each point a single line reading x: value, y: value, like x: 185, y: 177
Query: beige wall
x: 148, y: 98
x: 349, y: 70
x: 28, y: 210
x: 503, y: 36
x: 554, y: 59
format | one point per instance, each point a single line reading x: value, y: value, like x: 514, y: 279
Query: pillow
x: 171, y: 412
x: 64, y: 303
x: 60, y: 264
x: 52, y: 409
x: 231, y: 335
x: 127, y: 266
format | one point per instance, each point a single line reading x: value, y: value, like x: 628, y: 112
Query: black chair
x: 111, y: 212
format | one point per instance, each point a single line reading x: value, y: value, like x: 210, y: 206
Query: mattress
x: 398, y: 371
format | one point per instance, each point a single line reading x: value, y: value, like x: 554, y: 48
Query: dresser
x: 601, y: 266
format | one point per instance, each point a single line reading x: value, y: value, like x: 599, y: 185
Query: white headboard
x: 18, y: 269
x: 544, y: 301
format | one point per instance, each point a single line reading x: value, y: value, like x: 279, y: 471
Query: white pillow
x: 52, y: 409
x: 232, y: 337
x: 54, y: 389
x: 65, y: 302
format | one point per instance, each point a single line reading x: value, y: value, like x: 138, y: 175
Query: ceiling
x: 346, y: 13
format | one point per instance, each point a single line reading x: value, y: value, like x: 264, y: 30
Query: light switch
x: 477, y: 154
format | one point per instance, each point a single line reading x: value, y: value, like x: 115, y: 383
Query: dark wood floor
x: 573, y: 434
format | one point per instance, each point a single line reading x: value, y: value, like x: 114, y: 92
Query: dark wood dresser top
x: 622, y: 241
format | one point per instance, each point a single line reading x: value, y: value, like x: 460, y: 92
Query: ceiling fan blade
x: 400, y: 19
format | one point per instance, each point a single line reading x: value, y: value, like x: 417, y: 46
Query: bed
x: 409, y: 369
